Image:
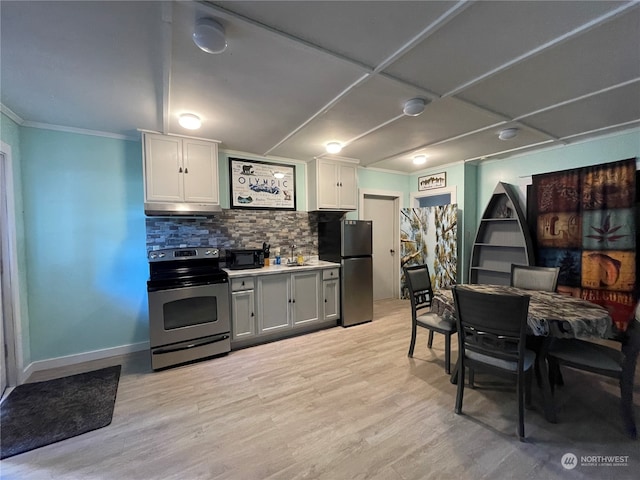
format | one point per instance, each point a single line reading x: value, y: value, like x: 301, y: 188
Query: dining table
x: 551, y: 315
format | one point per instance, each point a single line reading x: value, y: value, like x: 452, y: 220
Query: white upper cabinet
x: 178, y: 169
x: 332, y: 185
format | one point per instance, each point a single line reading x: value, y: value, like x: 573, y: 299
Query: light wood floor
x: 335, y: 404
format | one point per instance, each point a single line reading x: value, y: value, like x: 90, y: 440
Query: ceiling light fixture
x: 190, y: 121
x: 333, y: 147
x: 208, y: 34
x: 414, y: 107
x: 419, y: 159
x: 508, y: 133
x: 278, y: 174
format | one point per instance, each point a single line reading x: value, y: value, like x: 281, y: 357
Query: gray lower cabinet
x: 305, y: 297
x: 274, y: 311
x: 243, y: 308
x: 272, y: 306
x: 331, y: 294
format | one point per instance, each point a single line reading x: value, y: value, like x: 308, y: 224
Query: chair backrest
x: 419, y: 283
x: 491, y: 324
x: 534, y: 278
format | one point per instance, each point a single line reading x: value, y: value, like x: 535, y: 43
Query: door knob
x: 392, y: 251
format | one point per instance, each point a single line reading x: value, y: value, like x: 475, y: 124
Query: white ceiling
x: 297, y: 74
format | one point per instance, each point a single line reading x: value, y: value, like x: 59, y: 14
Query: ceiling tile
x: 488, y: 34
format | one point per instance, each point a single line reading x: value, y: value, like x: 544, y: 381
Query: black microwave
x: 239, y: 259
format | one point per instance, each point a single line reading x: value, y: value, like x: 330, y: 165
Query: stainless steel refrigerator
x: 350, y: 242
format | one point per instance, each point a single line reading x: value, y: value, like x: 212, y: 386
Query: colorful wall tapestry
x: 585, y: 224
x: 430, y: 235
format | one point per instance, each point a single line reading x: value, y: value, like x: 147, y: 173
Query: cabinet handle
x: 186, y: 170
x: 243, y: 283
x: 325, y: 300
x: 252, y: 314
x: 180, y: 170
x: 340, y: 183
x: 294, y: 300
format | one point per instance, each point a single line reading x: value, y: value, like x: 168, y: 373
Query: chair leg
x: 447, y: 354
x: 472, y: 377
x: 631, y: 350
x: 413, y: 339
x: 430, y: 343
x: 460, y: 391
x: 521, y: 395
x: 527, y: 389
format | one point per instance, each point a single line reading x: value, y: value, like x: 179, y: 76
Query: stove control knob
x: 153, y: 255
x: 161, y: 255
x: 207, y: 252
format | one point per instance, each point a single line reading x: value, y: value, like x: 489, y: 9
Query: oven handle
x: 160, y: 351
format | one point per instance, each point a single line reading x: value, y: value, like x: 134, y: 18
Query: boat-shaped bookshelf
x: 502, y: 239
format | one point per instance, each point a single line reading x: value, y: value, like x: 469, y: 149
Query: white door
x: 384, y: 212
x: 9, y: 333
x: 3, y: 352
x: 4, y: 224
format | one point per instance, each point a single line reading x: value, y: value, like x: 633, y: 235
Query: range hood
x: 185, y: 209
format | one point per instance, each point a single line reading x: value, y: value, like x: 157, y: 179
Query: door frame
x: 11, y: 299
x: 397, y: 198
x: 414, y: 197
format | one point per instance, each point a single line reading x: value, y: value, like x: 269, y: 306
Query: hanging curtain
x: 430, y: 235
x: 586, y: 226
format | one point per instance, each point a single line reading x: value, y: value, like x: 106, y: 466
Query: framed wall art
x: 437, y: 180
x: 259, y: 184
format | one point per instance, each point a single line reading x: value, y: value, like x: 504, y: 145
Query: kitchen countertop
x: 274, y: 269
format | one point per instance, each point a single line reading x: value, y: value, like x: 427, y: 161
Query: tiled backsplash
x: 240, y: 229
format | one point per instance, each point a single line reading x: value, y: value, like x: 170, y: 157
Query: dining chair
x: 602, y: 360
x: 491, y: 337
x: 421, y: 295
x: 530, y: 277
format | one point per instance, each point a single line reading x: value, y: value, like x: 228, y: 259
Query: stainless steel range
x: 189, y: 316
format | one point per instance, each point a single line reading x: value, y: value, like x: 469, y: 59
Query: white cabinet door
x: 348, y: 189
x: 331, y: 295
x: 243, y: 314
x: 200, y: 161
x: 163, y: 168
x: 180, y: 170
x: 333, y: 185
x: 305, y: 295
x: 274, y: 302
x: 328, y: 184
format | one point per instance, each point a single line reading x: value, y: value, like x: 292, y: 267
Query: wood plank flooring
x: 335, y: 404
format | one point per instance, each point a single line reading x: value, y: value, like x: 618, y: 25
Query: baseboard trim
x: 80, y: 358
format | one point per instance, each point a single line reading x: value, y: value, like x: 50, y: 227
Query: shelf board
x: 492, y: 270
x: 509, y: 219
x: 498, y: 245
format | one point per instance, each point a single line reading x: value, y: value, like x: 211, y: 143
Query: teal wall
x: 10, y: 134
x: 85, y: 242
x: 384, y: 181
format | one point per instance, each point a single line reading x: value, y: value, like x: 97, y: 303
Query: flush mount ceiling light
x: 419, y: 159
x: 414, y: 107
x: 208, y: 34
x: 278, y: 174
x: 333, y: 147
x: 189, y: 121
x: 508, y: 133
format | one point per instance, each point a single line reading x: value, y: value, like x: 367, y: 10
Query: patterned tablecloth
x: 550, y: 314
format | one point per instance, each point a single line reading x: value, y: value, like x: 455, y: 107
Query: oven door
x: 184, y: 314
